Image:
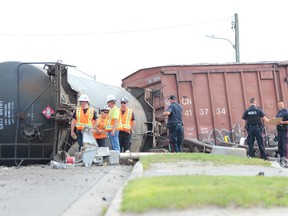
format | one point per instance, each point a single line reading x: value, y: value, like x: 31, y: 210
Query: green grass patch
x: 201, y: 157
x: 180, y: 192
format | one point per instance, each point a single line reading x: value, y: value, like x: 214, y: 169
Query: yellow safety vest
x: 113, y: 115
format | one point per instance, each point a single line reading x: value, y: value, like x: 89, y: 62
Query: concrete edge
x: 115, y: 206
x: 91, y: 202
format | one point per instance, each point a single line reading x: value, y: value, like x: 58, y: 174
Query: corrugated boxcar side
x: 214, y: 97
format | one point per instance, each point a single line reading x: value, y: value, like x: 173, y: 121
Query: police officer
x: 282, y: 131
x: 252, y: 118
x: 175, y: 124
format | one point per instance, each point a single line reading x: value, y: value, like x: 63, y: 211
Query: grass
x: 182, y: 192
x: 214, y: 158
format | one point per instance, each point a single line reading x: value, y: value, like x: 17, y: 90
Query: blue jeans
x: 176, y: 137
x: 79, y: 139
x: 114, y: 140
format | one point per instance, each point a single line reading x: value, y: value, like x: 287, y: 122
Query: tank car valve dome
x: 83, y: 97
x: 111, y: 98
x: 124, y: 99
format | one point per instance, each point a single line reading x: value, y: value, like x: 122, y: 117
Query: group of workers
x: 253, y: 126
x: 115, y: 123
x: 118, y: 125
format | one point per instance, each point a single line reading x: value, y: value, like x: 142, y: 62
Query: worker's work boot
x: 284, y: 162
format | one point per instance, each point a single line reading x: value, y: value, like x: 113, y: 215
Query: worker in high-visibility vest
x: 84, y: 116
x: 113, y: 123
x: 100, y: 132
x: 128, y: 125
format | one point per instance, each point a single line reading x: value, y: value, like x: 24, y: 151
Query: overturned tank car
x: 36, y: 105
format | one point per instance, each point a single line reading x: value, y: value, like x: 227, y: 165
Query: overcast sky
x: 113, y: 39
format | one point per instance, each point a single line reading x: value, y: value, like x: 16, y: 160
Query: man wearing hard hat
x: 128, y: 125
x: 113, y: 123
x: 84, y: 116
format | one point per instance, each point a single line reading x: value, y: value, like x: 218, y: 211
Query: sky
x: 114, y: 38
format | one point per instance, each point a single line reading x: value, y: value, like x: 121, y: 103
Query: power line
x: 117, y: 32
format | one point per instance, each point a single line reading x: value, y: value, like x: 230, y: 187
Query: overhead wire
x: 118, y: 32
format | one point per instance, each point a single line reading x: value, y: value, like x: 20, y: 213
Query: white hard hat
x: 105, y: 108
x: 83, y: 97
x: 124, y: 99
x: 111, y: 98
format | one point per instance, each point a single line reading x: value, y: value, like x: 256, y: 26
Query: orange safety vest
x: 126, y: 120
x: 84, y: 120
x: 113, y: 115
x: 101, y: 123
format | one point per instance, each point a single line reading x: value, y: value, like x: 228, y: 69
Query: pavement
x: 115, y: 206
x: 60, y: 190
x: 192, y: 168
x: 90, y: 204
x: 94, y: 202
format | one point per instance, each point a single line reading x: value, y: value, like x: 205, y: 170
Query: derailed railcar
x: 36, y: 105
x: 213, y: 96
x: 98, y: 93
x: 24, y: 131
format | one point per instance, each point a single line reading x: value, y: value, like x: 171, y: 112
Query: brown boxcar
x: 213, y: 96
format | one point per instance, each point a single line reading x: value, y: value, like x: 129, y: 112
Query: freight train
x: 38, y: 99
x: 213, y: 97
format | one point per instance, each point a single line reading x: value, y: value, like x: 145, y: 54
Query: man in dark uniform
x: 252, y: 119
x: 282, y: 132
x: 175, y: 124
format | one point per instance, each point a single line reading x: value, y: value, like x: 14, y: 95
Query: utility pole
x: 235, y: 26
